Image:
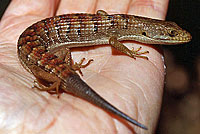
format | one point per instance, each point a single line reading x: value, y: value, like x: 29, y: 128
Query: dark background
x: 180, y: 113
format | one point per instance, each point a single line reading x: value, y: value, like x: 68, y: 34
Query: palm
x: 133, y: 86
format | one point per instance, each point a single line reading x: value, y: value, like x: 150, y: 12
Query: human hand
x: 133, y: 86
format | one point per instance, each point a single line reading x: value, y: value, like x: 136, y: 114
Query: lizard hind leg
x: 101, y: 12
x: 52, y: 89
x: 65, y: 55
x: 46, y: 81
x: 78, y: 66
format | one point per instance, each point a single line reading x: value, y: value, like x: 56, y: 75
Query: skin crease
x: 133, y: 86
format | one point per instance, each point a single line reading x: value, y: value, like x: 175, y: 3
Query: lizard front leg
x: 132, y: 53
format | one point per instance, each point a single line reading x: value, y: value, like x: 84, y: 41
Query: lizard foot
x: 137, y: 53
x: 78, y: 66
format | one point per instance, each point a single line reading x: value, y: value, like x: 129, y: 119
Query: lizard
x: 44, y: 48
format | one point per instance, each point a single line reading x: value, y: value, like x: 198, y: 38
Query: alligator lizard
x: 44, y: 48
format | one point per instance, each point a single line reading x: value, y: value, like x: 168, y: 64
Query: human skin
x: 133, y: 86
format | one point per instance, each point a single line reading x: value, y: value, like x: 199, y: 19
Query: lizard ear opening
x: 144, y: 33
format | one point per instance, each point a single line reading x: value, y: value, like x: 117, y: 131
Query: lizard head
x: 152, y: 31
x: 167, y: 32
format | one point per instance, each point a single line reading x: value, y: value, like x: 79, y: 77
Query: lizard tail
x: 78, y: 87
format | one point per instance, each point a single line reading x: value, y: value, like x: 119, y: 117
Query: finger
x: 26, y: 12
x: 118, y: 6
x: 74, y: 6
x: 155, y: 79
x: 152, y: 8
x: 155, y: 9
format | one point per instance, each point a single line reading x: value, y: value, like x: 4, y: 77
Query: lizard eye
x: 172, y: 33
